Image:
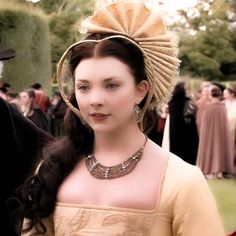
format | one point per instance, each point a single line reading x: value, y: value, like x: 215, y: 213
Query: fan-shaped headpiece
x: 142, y: 26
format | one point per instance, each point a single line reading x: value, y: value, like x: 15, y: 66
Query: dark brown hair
x: 31, y: 94
x: 216, y: 92
x: 118, y: 48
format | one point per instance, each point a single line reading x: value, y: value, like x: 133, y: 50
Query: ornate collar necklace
x: 100, y: 171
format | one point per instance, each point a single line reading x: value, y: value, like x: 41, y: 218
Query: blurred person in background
x: 13, y: 98
x: 203, y: 101
x: 4, y: 87
x: 41, y: 98
x: 214, y: 152
x: 3, y: 92
x: 157, y: 132
x: 220, y: 86
x: 230, y: 103
x: 182, y: 131
x: 32, y: 111
x: 57, y: 112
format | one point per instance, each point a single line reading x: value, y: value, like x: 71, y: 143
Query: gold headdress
x: 142, y: 26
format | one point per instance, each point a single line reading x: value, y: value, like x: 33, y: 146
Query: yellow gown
x: 185, y: 207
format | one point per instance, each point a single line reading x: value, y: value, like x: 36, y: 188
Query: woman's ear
x: 142, y: 90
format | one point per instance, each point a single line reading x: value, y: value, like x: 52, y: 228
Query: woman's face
x: 205, y: 91
x: 25, y: 99
x: 106, y: 93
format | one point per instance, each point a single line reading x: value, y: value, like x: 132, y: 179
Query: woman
x: 31, y: 111
x: 202, y: 102
x: 105, y: 177
x: 57, y: 112
x: 215, y: 152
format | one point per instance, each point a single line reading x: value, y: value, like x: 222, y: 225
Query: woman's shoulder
x: 181, y: 169
x: 174, y: 164
x: 176, y: 171
x: 187, y: 196
x: 180, y: 180
x: 182, y: 175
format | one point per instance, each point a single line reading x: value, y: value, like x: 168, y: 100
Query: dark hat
x: 6, y: 54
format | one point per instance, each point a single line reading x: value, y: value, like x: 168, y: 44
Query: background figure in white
x: 165, y: 140
x: 230, y: 103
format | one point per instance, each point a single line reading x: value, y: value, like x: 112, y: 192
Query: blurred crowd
x: 200, y: 128
x: 47, y: 113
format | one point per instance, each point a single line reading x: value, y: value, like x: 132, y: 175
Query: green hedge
x: 27, y: 31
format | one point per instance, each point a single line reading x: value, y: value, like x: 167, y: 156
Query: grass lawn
x: 224, y: 191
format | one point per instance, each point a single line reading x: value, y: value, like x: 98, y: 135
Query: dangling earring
x: 137, y: 113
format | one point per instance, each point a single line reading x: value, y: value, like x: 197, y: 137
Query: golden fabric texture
x: 145, y: 25
x: 185, y: 207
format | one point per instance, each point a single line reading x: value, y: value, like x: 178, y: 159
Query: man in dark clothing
x: 20, y: 143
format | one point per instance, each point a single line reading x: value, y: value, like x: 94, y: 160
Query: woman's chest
x: 138, y: 190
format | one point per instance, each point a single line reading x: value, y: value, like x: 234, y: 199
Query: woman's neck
x: 114, y: 148
x: 26, y: 110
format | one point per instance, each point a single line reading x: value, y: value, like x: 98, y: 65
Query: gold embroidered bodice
x: 89, y: 220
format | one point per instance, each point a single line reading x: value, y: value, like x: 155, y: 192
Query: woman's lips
x: 99, y: 116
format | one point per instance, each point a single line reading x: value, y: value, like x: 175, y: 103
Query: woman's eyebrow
x: 104, y: 80
x: 110, y: 78
x: 81, y: 80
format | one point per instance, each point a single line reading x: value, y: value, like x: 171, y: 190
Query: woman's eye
x: 83, y: 88
x: 112, y: 86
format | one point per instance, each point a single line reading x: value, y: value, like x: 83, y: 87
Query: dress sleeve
x: 48, y: 223
x: 195, y: 212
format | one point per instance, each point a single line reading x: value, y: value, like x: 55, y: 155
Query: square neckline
x: 125, y: 209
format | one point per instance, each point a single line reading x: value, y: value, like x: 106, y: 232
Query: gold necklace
x: 100, y: 171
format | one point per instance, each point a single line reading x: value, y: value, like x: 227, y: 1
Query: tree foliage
x: 207, y: 34
x: 207, y: 39
x: 64, y: 15
x: 28, y: 33
x: 63, y: 20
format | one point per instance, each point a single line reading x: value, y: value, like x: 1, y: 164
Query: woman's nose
x: 97, y: 97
